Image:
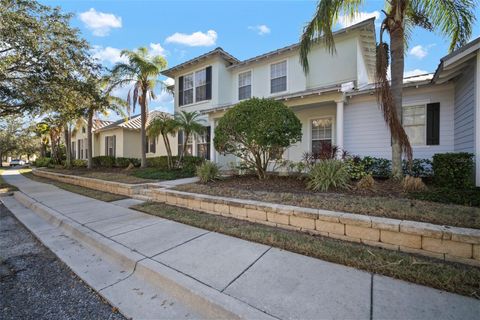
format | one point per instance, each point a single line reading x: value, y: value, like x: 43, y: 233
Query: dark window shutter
x: 433, y: 124
x: 209, y: 83
x: 114, y: 146
x: 106, y: 145
x: 180, y: 91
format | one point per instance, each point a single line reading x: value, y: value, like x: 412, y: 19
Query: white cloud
x: 346, y: 21
x: 415, y: 72
x: 169, y: 81
x: 99, y: 22
x: 108, y: 55
x: 260, y: 29
x: 157, y: 50
x: 196, y: 39
x: 164, y: 97
x: 419, y: 52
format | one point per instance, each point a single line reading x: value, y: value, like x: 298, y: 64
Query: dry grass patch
x: 453, y: 277
x: 92, y: 193
x: 382, y: 206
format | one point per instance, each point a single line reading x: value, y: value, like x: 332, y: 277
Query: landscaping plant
x: 453, y: 169
x: 208, y: 171
x: 328, y: 174
x: 366, y: 183
x: 255, y: 130
x: 413, y: 184
x: 165, y: 126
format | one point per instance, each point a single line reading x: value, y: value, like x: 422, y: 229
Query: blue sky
x: 181, y: 30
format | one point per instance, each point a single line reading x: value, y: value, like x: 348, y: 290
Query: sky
x: 181, y: 30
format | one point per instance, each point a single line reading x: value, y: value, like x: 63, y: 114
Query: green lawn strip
x: 92, y: 193
x: 5, y: 188
x: 390, y: 207
x: 452, y: 277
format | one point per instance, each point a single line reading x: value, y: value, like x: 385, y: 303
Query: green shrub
x: 121, y: 162
x: 356, y: 167
x: 208, y: 171
x: 257, y: 129
x: 377, y: 167
x: 465, y: 197
x: 420, y: 168
x: 189, y: 163
x: 328, y: 174
x: 453, y: 169
x: 78, y: 163
x: 103, y: 161
x: 43, y: 162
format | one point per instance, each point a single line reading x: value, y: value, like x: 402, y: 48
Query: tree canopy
x: 40, y: 56
x: 256, y: 130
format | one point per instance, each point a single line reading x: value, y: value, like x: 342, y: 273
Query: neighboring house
x: 335, y: 101
x: 122, y: 138
x: 79, y: 139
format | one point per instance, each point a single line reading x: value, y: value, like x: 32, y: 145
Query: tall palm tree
x: 189, y: 123
x: 165, y: 126
x: 141, y: 70
x: 451, y: 18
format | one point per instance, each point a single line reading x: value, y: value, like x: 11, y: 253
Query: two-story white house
x: 335, y: 101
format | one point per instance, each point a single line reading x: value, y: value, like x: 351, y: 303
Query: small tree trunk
x: 89, y: 140
x: 397, y: 69
x: 143, y: 118
x: 169, y: 151
x: 68, y: 146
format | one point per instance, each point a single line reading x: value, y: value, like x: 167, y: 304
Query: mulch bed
x: 292, y: 184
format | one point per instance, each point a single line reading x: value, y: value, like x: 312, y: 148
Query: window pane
x: 200, y: 93
x: 414, y: 123
x: 188, y: 96
x: 278, y: 84
x: 245, y: 79
x: 278, y: 70
x: 200, y: 78
x: 244, y: 92
x: 416, y: 134
x: 188, y: 81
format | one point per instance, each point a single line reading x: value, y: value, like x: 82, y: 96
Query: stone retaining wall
x: 443, y: 242
x: 124, y: 189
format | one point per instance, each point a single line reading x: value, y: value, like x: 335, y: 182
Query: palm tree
x: 190, y: 124
x: 163, y: 125
x: 142, y: 70
x: 451, y: 18
x: 54, y: 124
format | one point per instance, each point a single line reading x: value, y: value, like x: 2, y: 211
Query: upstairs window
x: 195, y: 87
x: 245, y: 85
x: 188, y: 89
x: 278, y: 77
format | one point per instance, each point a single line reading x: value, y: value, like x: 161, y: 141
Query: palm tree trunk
x: 68, y: 146
x: 169, y: 151
x: 89, y: 140
x: 143, y: 118
x: 397, y: 68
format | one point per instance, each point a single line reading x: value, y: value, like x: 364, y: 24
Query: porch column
x: 212, y: 135
x: 339, y: 126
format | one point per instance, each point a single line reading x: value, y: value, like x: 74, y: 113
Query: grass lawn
x: 96, y: 194
x: 132, y: 176
x: 386, y: 203
x: 453, y: 277
x: 5, y: 188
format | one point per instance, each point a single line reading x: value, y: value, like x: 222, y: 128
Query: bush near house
x: 78, y: 163
x: 453, y: 169
x: 121, y: 162
x: 43, y: 162
x: 328, y: 174
x: 208, y: 171
x: 257, y: 131
x: 189, y: 163
x: 103, y: 161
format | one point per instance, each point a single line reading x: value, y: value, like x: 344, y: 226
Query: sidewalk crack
x: 241, y: 273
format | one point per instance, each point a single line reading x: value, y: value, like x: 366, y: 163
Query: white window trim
x: 270, y: 94
x: 251, y: 83
x: 416, y: 104
x: 310, y: 127
x: 194, y: 93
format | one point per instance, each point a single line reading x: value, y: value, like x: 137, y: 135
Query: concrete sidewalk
x: 264, y: 281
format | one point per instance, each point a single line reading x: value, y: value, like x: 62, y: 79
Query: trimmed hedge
x: 79, y: 163
x: 43, y: 162
x: 189, y: 164
x: 110, y: 162
x: 125, y: 162
x: 465, y: 197
x: 453, y: 169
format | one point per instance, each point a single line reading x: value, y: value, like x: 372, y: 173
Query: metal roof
x: 133, y: 122
x: 217, y: 51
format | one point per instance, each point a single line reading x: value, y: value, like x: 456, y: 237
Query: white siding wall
x: 465, y: 111
x: 367, y: 134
